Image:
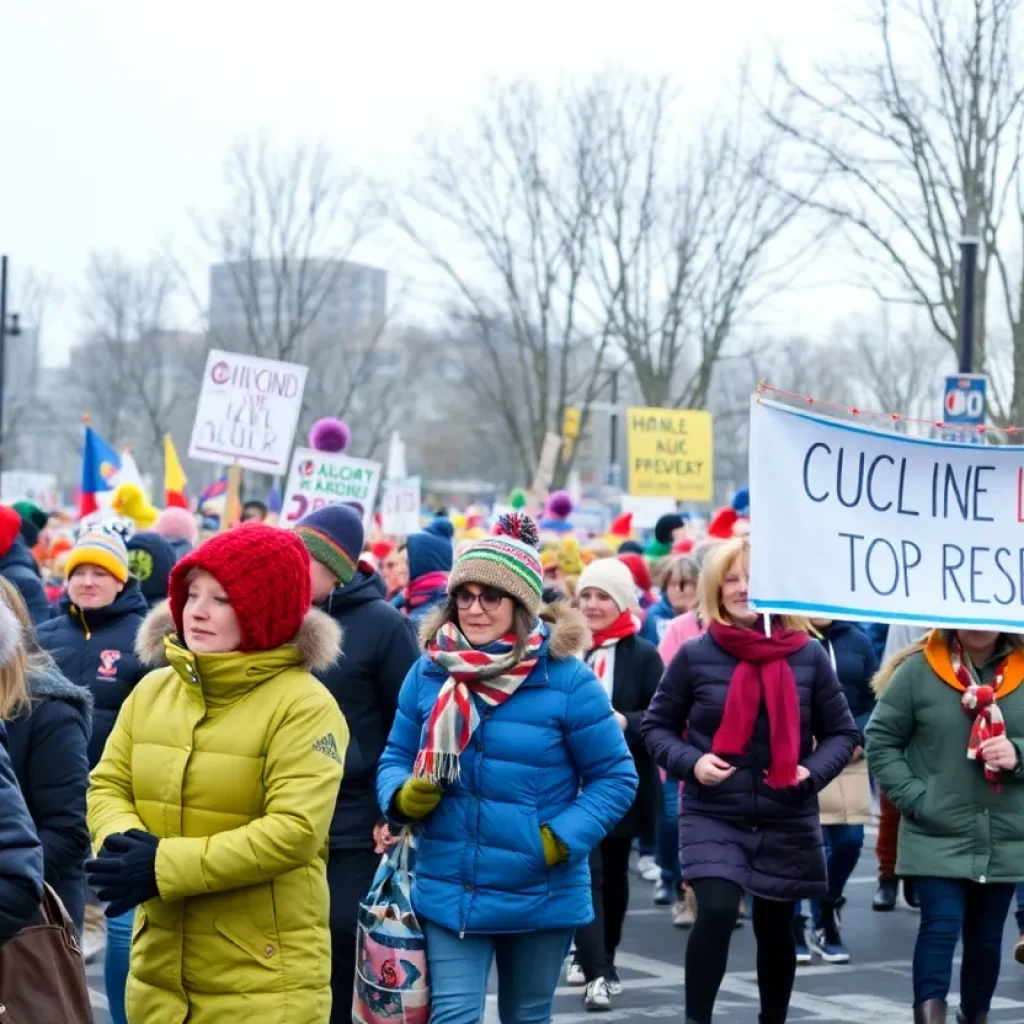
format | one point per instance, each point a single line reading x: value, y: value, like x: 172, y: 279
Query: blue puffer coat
x: 96, y: 649
x: 551, y: 755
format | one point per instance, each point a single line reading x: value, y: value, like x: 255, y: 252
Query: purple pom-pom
x: 330, y: 435
x: 560, y: 505
x: 518, y: 527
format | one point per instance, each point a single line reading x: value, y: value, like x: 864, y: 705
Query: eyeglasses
x: 488, y: 597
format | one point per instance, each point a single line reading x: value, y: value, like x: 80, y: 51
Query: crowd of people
x: 211, y: 742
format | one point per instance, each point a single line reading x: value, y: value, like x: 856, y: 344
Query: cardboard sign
x: 400, y: 506
x: 855, y: 523
x: 670, y: 453
x: 317, y: 479
x: 248, y: 411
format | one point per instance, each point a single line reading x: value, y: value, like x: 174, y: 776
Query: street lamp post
x: 969, y: 242
x: 11, y: 329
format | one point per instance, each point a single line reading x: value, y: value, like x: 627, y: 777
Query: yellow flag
x: 174, y: 476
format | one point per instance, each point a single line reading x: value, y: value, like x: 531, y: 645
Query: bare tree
x: 686, y: 238
x: 292, y: 220
x: 916, y: 142
x: 506, y: 210
x: 134, y: 372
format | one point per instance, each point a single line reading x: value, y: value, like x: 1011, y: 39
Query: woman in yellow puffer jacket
x: 212, y: 801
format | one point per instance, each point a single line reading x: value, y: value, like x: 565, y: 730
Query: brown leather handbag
x: 42, y: 973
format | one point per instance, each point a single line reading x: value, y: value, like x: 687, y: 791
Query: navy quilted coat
x: 552, y: 754
x: 766, y: 840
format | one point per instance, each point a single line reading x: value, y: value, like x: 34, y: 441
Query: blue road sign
x: 963, y: 403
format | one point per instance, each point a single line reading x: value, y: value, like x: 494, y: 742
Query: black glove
x: 124, y: 874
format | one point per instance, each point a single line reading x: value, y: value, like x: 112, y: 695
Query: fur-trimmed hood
x: 50, y: 682
x: 318, y: 640
x: 569, y: 636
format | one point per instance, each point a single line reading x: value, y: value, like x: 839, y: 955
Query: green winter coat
x: 953, y: 824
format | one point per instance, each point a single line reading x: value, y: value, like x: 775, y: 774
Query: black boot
x: 979, y: 1018
x: 885, y: 897
x: 932, y: 1011
x: 910, y: 893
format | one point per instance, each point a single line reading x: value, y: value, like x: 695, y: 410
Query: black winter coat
x: 21, y: 853
x: 767, y: 841
x: 49, y: 753
x: 96, y: 649
x: 855, y: 664
x: 379, y: 649
x: 19, y: 567
x: 638, y: 670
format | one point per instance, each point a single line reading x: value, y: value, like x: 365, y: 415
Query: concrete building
x: 334, y: 296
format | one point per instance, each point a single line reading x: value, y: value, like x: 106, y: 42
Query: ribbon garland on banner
x: 893, y: 417
x: 853, y: 521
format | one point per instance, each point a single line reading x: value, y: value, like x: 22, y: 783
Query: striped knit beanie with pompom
x: 507, y: 561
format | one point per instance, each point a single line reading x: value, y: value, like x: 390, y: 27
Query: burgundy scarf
x: 762, y: 671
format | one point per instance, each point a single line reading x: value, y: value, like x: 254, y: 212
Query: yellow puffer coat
x: 234, y: 761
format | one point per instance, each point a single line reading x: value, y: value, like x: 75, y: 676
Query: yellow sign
x: 670, y: 453
x: 571, y: 422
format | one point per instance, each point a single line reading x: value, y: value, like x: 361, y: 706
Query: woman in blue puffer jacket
x: 506, y: 751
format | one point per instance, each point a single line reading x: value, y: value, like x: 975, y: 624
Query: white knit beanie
x: 614, y: 578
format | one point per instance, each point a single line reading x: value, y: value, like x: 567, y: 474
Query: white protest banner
x: 400, y: 506
x: 325, y: 478
x: 856, y: 523
x: 26, y: 485
x: 248, y: 411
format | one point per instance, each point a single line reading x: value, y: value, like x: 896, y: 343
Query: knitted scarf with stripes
x: 454, y: 717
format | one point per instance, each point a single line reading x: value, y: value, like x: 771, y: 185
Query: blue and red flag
x: 215, y: 490
x: 100, y: 466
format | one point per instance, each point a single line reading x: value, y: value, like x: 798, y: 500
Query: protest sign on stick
x: 850, y: 522
x: 248, y: 411
x: 329, y: 478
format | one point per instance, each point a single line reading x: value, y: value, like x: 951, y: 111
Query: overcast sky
x: 116, y: 115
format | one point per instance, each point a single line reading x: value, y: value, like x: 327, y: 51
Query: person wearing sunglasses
x: 507, y: 756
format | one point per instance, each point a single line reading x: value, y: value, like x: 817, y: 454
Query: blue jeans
x: 951, y: 907
x: 843, y: 844
x: 667, y: 833
x: 1020, y: 907
x: 115, y: 965
x: 529, y: 965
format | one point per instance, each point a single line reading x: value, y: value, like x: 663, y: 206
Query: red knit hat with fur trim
x: 265, y: 573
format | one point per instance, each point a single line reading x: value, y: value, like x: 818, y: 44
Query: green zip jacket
x: 953, y: 824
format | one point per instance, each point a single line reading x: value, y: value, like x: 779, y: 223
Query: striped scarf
x: 454, y: 717
x: 980, y: 703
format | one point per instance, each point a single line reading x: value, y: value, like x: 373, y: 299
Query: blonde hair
x: 14, y: 695
x: 716, y: 567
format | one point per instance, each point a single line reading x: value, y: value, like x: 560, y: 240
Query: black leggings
x: 597, y: 942
x: 708, y: 950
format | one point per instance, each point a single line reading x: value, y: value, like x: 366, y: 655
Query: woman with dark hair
x: 756, y: 726
x: 506, y: 752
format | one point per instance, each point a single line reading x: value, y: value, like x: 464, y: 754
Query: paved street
x: 873, y: 989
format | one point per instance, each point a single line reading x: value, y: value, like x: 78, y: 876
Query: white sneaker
x: 597, y: 998
x: 684, y: 911
x: 574, y: 975
x: 645, y: 866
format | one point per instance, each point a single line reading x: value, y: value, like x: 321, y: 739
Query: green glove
x: 555, y: 851
x: 417, y: 798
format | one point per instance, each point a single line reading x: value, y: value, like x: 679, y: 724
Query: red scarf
x: 763, y: 671
x: 421, y: 590
x: 980, y: 703
x: 625, y: 625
